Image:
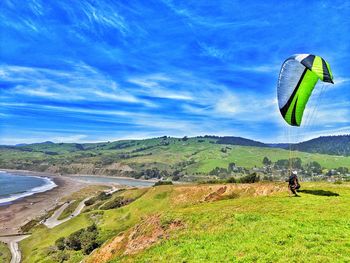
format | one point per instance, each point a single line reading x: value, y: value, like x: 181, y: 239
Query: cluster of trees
x: 296, y: 163
x: 310, y: 168
x: 231, y: 168
x: 122, y: 145
x: 225, y: 149
x: 239, y: 141
x: 100, y: 197
x: 247, y: 179
x: 155, y: 173
x: 150, y: 173
x: 337, y: 145
x: 339, y: 170
x: 85, y: 240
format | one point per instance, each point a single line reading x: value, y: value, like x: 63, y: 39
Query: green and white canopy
x: 298, y: 77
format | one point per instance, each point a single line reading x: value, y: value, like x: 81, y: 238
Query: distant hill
x: 188, y: 158
x: 334, y: 145
x: 236, y: 141
x: 279, y: 145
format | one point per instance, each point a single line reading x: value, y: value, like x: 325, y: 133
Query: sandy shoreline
x: 19, y: 212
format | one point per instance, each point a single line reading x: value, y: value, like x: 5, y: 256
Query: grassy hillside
x: 5, y: 255
x: 221, y: 223
x: 193, y: 157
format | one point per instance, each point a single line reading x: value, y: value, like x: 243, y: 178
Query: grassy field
x: 194, y: 157
x: 207, y: 223
x: 5, y: 255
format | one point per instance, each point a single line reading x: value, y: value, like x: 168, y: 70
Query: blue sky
x: 83, y: 71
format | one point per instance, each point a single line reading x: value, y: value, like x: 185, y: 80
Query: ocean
x: 14, y: 186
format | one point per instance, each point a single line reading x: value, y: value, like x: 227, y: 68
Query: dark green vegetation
x: 247, y: 179
x: 333, y: 145
x: 84, y: 239
x: 184, y: 159
x: 336, y: 145
x: 205, y: 223
x: 163, y: 183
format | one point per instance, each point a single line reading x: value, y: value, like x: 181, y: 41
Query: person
x: 293, y: 183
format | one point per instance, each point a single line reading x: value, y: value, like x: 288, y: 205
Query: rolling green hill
x: 190, y: 158
x: 204, y: 223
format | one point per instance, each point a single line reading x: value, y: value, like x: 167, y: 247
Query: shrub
x: 101, y: 197
x: 116, y: 203
x: 231, y: 180
x: 249, y: 179
x: 60, y: 244
x: 83, y: 239
x: 163, y: 183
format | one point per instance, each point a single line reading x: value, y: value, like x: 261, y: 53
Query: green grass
x: 260, y: 229
x: 5, y: 254
x: 245, y: 228
x: 35, y: 248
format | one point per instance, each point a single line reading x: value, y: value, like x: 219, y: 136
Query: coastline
x: 20, y: 211
x: 49, y: 184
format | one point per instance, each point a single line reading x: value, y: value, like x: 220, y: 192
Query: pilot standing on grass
x: 293, y: 183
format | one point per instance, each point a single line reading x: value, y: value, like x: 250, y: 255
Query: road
x: 53, y: 220
x: 12, y: 242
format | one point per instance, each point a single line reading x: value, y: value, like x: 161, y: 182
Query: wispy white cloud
x: 213, y: 22
x: 104, y: 14
x: 155, y: 85
x: 81, y: 83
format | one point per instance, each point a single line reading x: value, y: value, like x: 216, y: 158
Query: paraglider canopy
x: 298, y: 77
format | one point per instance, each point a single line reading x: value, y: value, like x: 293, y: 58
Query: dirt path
x: 53, y: 220
x: 12, y: 242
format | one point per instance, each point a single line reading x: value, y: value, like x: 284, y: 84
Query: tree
x: 60, y: 243
x: 249, y: 179
x: 231, y: 167
x: 266, y: 161
x: 343, y: 170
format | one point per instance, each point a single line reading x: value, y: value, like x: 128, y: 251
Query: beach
x: 16, y: 214
x: 21, y: 211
